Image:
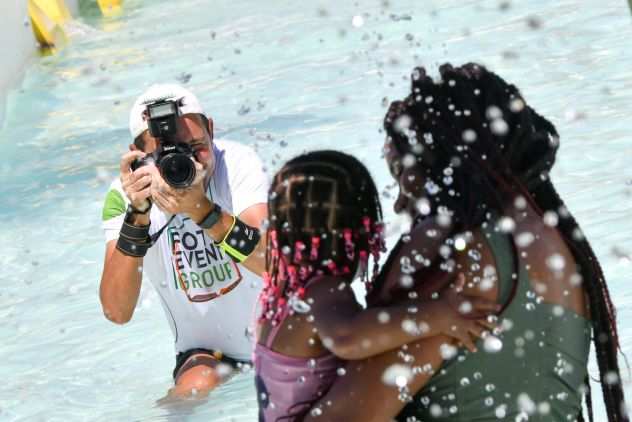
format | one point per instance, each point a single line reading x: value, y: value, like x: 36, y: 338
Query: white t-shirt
x: 185, y: 255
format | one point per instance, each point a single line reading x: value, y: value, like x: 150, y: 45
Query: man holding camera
x: 186, y: 211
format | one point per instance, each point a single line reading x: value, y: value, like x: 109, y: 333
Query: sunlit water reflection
x: 282, y: 77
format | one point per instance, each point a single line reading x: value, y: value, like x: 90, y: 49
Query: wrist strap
x: 133, y: 232
x: 135, y: 240
x: 131, y: 248
x: 240, y: 241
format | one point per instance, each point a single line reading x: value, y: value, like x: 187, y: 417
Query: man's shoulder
x: 116, y: 184
x: 115, y: 201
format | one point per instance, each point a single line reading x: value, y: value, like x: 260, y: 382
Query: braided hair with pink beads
x: 325, y: 219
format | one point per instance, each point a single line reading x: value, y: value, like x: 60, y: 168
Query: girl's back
x: 537, y: 366
x: 293, y: 368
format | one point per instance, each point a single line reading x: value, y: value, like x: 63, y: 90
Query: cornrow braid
x: 325, y: 219
x: 479, y: 127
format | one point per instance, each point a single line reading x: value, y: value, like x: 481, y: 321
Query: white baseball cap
x: 189, y: 104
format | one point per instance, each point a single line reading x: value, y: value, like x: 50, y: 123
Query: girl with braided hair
x: 472, y: 158
x: 325, y: 226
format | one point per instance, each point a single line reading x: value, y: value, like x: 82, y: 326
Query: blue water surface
x: 283, y: 77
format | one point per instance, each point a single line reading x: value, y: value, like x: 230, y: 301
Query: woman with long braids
x: 472, y: 158
x: 325, y: 227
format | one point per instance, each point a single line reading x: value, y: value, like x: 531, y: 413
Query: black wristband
x: 137, y: 233
x: 211, y: 218
x: 134, y: 240
x: 131, y: 248
x: 240, y: 241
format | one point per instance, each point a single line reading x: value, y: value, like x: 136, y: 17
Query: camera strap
x: 154, y: 237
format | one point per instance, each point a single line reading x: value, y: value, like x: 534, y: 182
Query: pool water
x: 283, y: 77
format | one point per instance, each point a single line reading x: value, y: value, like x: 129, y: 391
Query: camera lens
x: 178, y: 170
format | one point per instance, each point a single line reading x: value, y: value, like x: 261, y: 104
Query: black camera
x: 172, y: 158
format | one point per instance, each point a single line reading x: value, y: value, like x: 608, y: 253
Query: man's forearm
x: 120, y: 285
x: 255, y: 262
x: 121, y: 279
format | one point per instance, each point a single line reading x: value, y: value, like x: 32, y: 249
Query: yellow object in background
x: 47, y: 20
x: 110, y: 7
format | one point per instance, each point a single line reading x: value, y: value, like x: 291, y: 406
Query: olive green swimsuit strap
x: 541, y: 357
x: 503, y: 252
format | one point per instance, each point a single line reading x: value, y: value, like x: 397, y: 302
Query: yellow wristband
x: 232, y: 226
x: 240, y: 240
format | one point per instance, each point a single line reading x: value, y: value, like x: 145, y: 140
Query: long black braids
x: 479, y: 127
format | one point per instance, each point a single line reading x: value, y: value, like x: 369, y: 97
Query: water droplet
x: 611, y: 378
x: 431, y: 187
x: 474, y: 254
x: 499, y: 127
x: 465, y: 381
x: 465, y: 307
x: 556, y: 262
x: 408, y: 160
x: 357, y: 21
x: 516, y: 105
x: 501, y: 411
x: 544, y: 408
x: 341, y: 371
x: 383, y: 317
x: 576, y: 280
x: 459, y: 243
x: 316, y: 411
x: 489, y: 401
x: 397, y: 374
x: 423, y: 206
x: 506, y: 224
x: 493, y: 112
x: 300, y: 306
x: 447, y: 351
x: 469, y: 136
x: 409, y: 326
x: 492, y: 344
x: 435, y: 410
x: 550, y: 218
x: 524, y: 239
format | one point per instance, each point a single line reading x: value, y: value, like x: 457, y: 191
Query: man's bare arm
x: 120, y: 284
x: 122, y: 274
x: 253, y: 216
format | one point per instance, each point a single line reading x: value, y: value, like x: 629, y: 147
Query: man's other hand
x: 180, y: 201
x: 136, y: 184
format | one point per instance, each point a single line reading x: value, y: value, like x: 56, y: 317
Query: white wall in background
x: 18, y: 46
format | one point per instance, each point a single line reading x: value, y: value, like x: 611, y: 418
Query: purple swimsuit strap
x: 286, y: 311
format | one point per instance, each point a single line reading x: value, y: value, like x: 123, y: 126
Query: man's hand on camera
x: 136, y: 184
x: 180, y: 201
